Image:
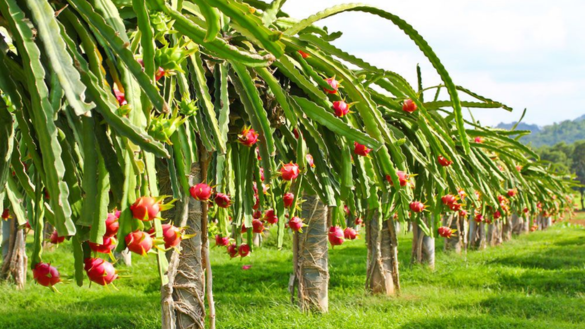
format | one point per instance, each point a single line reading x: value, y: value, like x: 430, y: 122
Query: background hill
x: 568, y: 131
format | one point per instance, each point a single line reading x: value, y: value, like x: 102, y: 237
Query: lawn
x: 534, y: 281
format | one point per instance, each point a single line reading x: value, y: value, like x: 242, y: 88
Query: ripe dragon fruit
x: 55, y: 238
x: 201, y: 192
x: 444, y: 162
x: 145, y: 208
x: 139, y: 242
x: 335, y: 236
x: 248, y: 137
x: 289, y: 171
x: 288, y: 199
x: 46, y: 275
x: 296, y: 224
x: 222, y: 241
x: 222, y: 200
x: 417, y: 206
x: 360, y: 149
x: 106, y: 247
x: 349, y: 233
x: 445, y: 232
x: 340, y: 108
x: 100, y: 271
x: 409, y: 106
x: 333, y: 84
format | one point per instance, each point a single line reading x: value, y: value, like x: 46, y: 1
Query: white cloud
x: 526, y: 53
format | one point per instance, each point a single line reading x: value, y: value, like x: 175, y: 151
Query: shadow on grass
x: 569, y: 282
x: 480, y: 322
x: 536, y: 307
x: 553, y: 258
x: 122, y: 311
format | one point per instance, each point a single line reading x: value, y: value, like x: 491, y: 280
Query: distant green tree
x: 566, y: 131
x: 578, y: 166
x: 560, y: 156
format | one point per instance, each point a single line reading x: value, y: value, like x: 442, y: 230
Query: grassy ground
x: 535, y: 281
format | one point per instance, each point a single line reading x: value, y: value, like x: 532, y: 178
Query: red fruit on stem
x: 232, y: 250
x: 172, y: 235
x: 295, y: 224
x: 244, y: 250
x: 248, y: 137
x: 55, y: 238
x: 463, y: 213
x: 454, y: 207
x: 46, y: 275
x: 340, y: 108
x: 333, y: 84
x: 222, y: 200
x: 478, y: 218
x: 519, y: 168
x: 106, y: 247
x: 358, y: 222
x: 448, y: 199
x: 222, y: 241
x: 360, y: 149
x: 512, y: 192
x: 478, y: 140
x: 145, y: 208
x: 160, y: 73
x: 139, y: 242
x: 201, y: 192
x: 310, y: 160
x: 402, y: 178
x: 257, y: 226
x: 444, y: 162
x: 6, y: 214
x: 100, y: 271
x: 112, y: 225
x: 303, y: 54
x: 497, y: 214
x: 258, y: 155
x: 409, y: 106
x: 120, y: 97
x: 462, y: 194
x: 289, y: 171
x: 346, y: 210
x: 417, y: 206
x: 257, y: 204
x: 270, y: 217
x: 445, y: 232
x: 261, y: 174
x: 288, y: 199
x: 349, y: 233
x: 257, y: 214
x: 525, y: 210
x: 296, y: 133
x: 335, y: 236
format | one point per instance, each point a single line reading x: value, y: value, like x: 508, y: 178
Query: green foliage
x: 153, y: 87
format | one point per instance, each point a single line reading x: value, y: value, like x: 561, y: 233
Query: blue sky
x: 524, y: 53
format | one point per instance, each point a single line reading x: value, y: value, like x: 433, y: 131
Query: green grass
x: 535, y: 281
